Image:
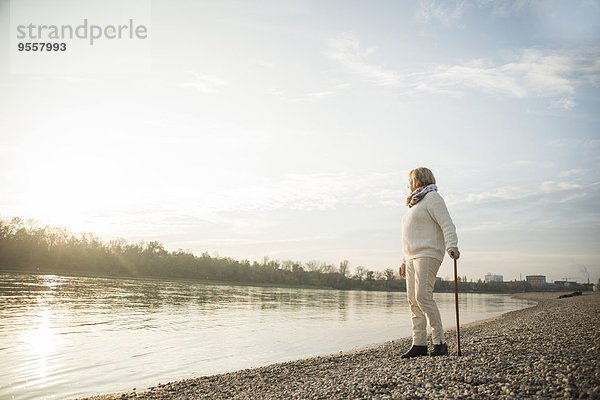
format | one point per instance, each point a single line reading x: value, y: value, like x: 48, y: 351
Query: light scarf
x: 419, y: 193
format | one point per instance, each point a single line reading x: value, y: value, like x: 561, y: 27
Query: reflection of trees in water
x: 391, y: 300
x: 141, y: 296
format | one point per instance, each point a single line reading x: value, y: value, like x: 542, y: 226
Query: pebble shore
x: 551, y: 350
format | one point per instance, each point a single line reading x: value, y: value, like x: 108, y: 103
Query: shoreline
x: 550, y: 349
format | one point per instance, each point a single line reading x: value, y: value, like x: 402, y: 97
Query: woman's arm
x: 402, y: 269
x: 439, y: 212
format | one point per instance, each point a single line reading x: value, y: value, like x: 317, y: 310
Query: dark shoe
x: 415, y: 351
x: 440, y: 350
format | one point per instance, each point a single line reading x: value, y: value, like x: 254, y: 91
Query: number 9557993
x: 42, y: 46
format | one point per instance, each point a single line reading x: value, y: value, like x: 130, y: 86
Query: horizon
x: 287, y: 130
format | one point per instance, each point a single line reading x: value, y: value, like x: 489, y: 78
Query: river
x: 64, y: 337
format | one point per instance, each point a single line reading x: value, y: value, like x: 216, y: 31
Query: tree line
x: 26, y: 246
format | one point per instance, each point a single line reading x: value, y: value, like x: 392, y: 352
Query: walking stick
x: 456, y: 302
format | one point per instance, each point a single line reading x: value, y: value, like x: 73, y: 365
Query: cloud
x: 570, y: 172
x: 346, y: 50
x: 323, y: 191
x: 533, y: 73
x: 205, y: 83
x: 551, y: 186
x: 312, y: 96
x: 447, y: 13
x: 543, y: 73
x: 564, y: 103
x: 553, y: 216
x: 326, y: 191
x: 591, y: 70
x: 445, y: 78
x: 575, y: 143
x: 523, y: 162
x: 319, y: 191
x: 512, y: 193
x: 547, y: 164
x: 552, y: 74
x: 319, y: 94
x: 300, y: 192
x: 504, y: 8
x: 450, y: 13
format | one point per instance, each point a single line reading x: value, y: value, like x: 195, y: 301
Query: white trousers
x: 420, y: 280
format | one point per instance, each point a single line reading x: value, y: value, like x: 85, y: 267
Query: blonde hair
x: 421, y: 177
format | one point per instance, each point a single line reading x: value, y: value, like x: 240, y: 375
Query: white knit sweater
x: 427, y: 229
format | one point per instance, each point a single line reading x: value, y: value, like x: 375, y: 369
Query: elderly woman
x: 427, y: 233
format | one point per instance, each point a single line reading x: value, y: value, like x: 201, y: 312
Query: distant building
x: 493, y: 278
x: 566, y: 283
x: 536, y: 280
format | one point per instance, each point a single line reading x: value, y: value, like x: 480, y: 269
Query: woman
x: 427, y: 232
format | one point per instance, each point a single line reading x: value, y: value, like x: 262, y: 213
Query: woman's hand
x: 402, y: 271
x: 454, y: 250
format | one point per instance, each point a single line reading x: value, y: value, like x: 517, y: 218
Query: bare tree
x: 361, y: 272
x: 344, y: 267
x: 312, y: 265
x: 327, y: 268
x: 287, y: 265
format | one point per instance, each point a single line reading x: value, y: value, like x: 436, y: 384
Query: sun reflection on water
x: 40, y: 338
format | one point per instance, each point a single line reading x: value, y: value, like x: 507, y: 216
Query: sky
x: 287, y: 129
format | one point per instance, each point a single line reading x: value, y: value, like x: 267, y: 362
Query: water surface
x: 75, y: 336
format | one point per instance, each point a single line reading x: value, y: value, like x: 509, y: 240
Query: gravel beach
x: 548, y: 350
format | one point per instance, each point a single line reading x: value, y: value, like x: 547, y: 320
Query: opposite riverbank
x: 548, y: 350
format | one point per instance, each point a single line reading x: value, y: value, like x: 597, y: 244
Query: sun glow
x: 41, y: 341
x: 69, y: 185
x: 40, y: 338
